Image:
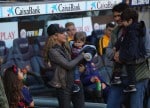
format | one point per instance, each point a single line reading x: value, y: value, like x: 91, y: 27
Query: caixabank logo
x: 65, y: 7
x: 102, y: 4
x: 10, y: 11
x: 23, y: 10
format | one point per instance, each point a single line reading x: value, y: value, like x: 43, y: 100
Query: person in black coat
x: 130, y: 47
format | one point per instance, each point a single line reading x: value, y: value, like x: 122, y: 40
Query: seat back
x: 21, y: 45
x: 40, y: 43
x: 3, y: 51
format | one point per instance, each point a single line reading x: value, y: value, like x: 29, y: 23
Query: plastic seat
x: 46, y: 71
x: 38, y: 48
x: 22, y: 47
x: 3, y: 51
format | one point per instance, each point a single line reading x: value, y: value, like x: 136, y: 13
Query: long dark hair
x: 12, y: 86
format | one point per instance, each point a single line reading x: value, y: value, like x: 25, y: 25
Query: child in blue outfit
x: 90, y: 72
x: 130, y: 47
x: 89, y: 79
x: 77, y: 46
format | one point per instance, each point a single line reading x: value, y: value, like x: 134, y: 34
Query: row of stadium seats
x: 30, y: 56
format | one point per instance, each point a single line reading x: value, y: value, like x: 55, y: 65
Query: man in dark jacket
x: 142, y: 73
x: 130, y: 47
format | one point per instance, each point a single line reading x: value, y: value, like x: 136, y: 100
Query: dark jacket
x: 141, y: 70
x: 132, y: 45
x: 62, y: 66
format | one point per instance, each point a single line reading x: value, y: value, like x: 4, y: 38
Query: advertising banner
x: 101, y: 4
x: 31, y: 28
x: 9, y: 32
x: 14, y: 11
x: 139, y: 2
x: 82, y: 24
x: 66, y: 7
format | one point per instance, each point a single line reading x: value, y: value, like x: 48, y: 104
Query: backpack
x: 146, y: 40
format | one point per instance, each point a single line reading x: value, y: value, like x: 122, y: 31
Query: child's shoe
x: 130, y: 88
x: 116, y: 81
x: 75, y: 88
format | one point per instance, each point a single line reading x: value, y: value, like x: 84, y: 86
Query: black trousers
x: 130, y: 71
x: 66, y: 96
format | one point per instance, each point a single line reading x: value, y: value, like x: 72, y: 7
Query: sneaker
x: 75, y: 88
x: 116, y: 81
x: 130, y: 88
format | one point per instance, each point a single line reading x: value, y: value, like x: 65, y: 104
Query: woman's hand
x: 93, y: 79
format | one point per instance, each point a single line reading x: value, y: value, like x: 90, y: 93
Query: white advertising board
x: 140, y: 2
x: 82, y: 24
x: 23, y: 10
x: 66, y: 7
x: 9, y: 32
x: 101, y: 4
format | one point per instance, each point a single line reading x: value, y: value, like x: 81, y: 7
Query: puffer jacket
x: 141, y: 70
x: 62, y: 66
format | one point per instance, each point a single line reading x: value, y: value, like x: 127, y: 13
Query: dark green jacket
x: 3, y: 99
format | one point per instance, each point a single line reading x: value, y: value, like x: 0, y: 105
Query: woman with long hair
x: 58, y: 53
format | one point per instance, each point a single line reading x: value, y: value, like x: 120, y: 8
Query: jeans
x: 66, y: 96
x: 76, y: 73
x: 106, y: 73
x: 117, y: 97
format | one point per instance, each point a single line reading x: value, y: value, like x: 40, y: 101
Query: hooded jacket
x: 131, y: 43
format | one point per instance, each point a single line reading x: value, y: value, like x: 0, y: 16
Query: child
x: 129, y: 48
x: 90, y: 68
x: 77, y: 46
x: 17, y: 94
x: 89, y: 78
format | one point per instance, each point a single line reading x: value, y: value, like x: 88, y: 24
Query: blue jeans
x: 117, y: 97
x: 106, y: 73
x: 76, y: 73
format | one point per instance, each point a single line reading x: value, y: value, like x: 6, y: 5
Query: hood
x: 139, y: 27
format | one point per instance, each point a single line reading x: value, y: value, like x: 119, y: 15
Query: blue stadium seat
x: 21, y: 47
x: 3, y: 51
x: 46, y: 71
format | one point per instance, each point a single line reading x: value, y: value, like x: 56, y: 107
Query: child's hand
x: 1, y: 60
x: 81, y: 68
x: 93, y: 79
x: 114, y: 49
x: 103, y: 85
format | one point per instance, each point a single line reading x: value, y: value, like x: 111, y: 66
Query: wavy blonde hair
x: 50, y: 43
